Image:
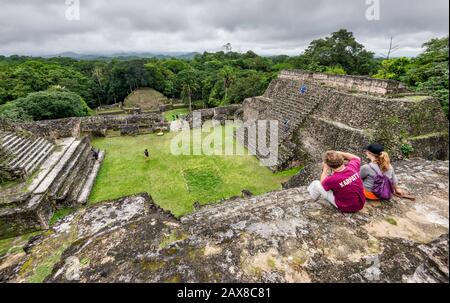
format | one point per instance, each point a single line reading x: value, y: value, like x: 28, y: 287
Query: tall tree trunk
x: 190, y: 98
x: 226, y: 95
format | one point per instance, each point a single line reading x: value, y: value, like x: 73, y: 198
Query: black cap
x: 375, y: 148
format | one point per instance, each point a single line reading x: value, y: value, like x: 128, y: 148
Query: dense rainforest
x: 36, y: 88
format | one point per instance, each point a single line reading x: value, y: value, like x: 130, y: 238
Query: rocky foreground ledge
x: 282, y: 236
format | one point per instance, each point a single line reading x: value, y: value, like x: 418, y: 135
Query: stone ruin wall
x: 54, y: 129
x: 93, y: 125
x: 219, y: 114
x: 127, y: 125
x: 346, y: 120
x: 6, y: 126
x: 357, y: 83
x: 110, y: 106
x: 334, y: 115
x: 364, y: 120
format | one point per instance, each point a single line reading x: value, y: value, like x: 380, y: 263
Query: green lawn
x: 176, y: 182
x: 180, y: 111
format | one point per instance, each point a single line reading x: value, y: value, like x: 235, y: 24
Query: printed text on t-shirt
x: 349, y: 180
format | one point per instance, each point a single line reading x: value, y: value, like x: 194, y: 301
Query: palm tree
x: 188, y: 79
x: 228, y: 76
x: 187, y: 91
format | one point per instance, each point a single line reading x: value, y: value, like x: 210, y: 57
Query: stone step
x: 15, y: 144
x: 24, y: 151
x: 7, y: 139
x: 50, y: 162
x: 69, y: 168
x: 51, y: 176
x: 20, y: 148
x: 45, y: 152
x: 80, y: 181
x: 211, y: 209
x: 62, y: 187
x: 36, y: 155
x: 33, y: 215
x: 85, y: 192
x: 32, y: 152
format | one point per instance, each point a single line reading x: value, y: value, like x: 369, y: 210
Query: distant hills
x: 124, y: 55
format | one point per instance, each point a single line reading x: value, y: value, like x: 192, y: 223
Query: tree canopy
x: 427, y: 73
x: 209, y: 79
x: 54, y: 103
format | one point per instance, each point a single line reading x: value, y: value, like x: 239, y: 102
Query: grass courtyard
x: 176, y: 182
x: 168, y: 115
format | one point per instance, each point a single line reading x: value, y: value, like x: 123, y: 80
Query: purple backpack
x: 382, y: 185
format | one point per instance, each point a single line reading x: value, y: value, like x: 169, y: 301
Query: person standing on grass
x: 146, y: 153
x: 343, y: 188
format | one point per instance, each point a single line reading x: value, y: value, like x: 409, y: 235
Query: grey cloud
x: 268, y: 26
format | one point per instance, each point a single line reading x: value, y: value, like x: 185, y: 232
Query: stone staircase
x: 64, y: 179
x: 290, y: 108
x: 21, y: 154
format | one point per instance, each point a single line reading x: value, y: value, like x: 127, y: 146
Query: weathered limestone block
x: 281, y: 236
x: 98, y: 125
x: 84, y: 224
x: 133, y: 111
x: 219, y: 114
x: 129, y: 130
x: 359, y: 83
x: 99, y: 132
x: 54, y: 129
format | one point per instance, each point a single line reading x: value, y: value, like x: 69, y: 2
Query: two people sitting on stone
x: 349, y: 185
x: 343, y: 188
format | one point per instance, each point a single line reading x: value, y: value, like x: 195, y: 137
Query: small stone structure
x: 318, y: 112
x: 349, y: 83
x: 129, y: 130
x: 165, y: 107
x: 218, y: 114
x: 97, y: 126
x: 53, y: 174
x: 132, y: 110
x: 118, y: 105
x: 60, y: 155
x: 146, y: 123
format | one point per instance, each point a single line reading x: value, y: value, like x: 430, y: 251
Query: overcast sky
x: 264, y: 26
